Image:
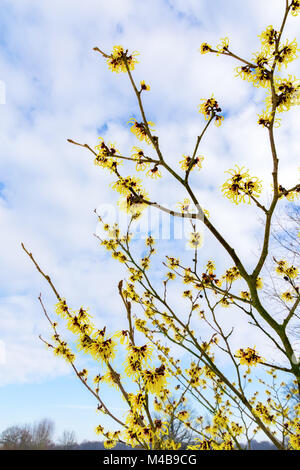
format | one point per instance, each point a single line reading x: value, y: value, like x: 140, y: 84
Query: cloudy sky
x: 57, y: 87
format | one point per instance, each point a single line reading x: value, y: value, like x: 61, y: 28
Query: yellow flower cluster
x: 155, y: 379
x: 287, y: 296
x: 90, y: 341
x: 134, y: 196
x: 63, y: 350
x: 264, y: 413
x: 105, y: 155
x: 195, y: 240
x: 268, y: 37
x: 222, y: 48
x: 286, y: 270
x: 205, y: 48
x: 248, y: 357
x: 287, y: 94
x: 144, y: 86
x: 102, y: 350
x: 266, y: 118
x: 289, y: 195
x: 140, y: 353
x: 286, y: 53
x: 194, y: 373
x: 139, y: 156
x: 295, y: 7
x: 141, y: 131
x: 210, y: 108
x: 119, y: 58
x: 241, y: 186
x: 187, y: 162
x: 231, y: 275
x: 154, y: 172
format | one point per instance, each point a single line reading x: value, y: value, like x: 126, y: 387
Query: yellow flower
x: 124, y: 186
x: 183, y: 415
x: 138, y: 154
x: 154, y: 172
x: 210, y: 267
x: 284, y: 269
x: 137, y: 401
x: 150, y: 241
x: 289, y: 195
x: 236, y: 428
x: 132, y: 204
x: 110, y: 443
x: 103, y: 350
x: 246, y: 72
x: 61, y: 309
x: 286, y: 53
x: 281, y: 266
x: 205, y: 444
x: 295, y: 7
x: 268, y: 37
x: 287, y: 91
x: 295, y: 438
x: 220, y: 419
x: 170, y: 276
x: 140, y: 353
x: 287, y: 296
x: 135, y: 275
x: 259, y: 283
x: 261, y: 75
x: 186, y: 162
x: 155, y: 379
x: 194, y: 373
x: 264, y: 413
x: 75, y: 325
x: 196, y: 240
x: 99, y: 429
x: 232, y: 274
x: 292, y: 272
x: 245, y: 295
x: 172, y: 262
x: 140, y: 130
x: 205, y: 212
x: 209, y: 108
x: 144, y: 86
x: 218, y: 120
x: 266, y: 118
x: 140, y: 325
x: 241, y: 185
x: 185, y: 205
x: 224, y: 302
x: 133, y: 367
x: 248, y: 357
x: 187, y: 294
x: 223, y: 46
x: 123, y: 336
x: 63, y: 350
x: 105, y: 154
x: 110, y: 379
x: 118, y: 58
x: 205, y: 48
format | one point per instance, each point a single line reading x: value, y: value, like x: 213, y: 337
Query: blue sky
x: 57, y: 87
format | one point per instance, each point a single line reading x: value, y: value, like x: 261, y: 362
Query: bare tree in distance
x: 68, y: 440
x: 38, y: 436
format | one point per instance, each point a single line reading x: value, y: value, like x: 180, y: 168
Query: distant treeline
x: 39, y: 436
